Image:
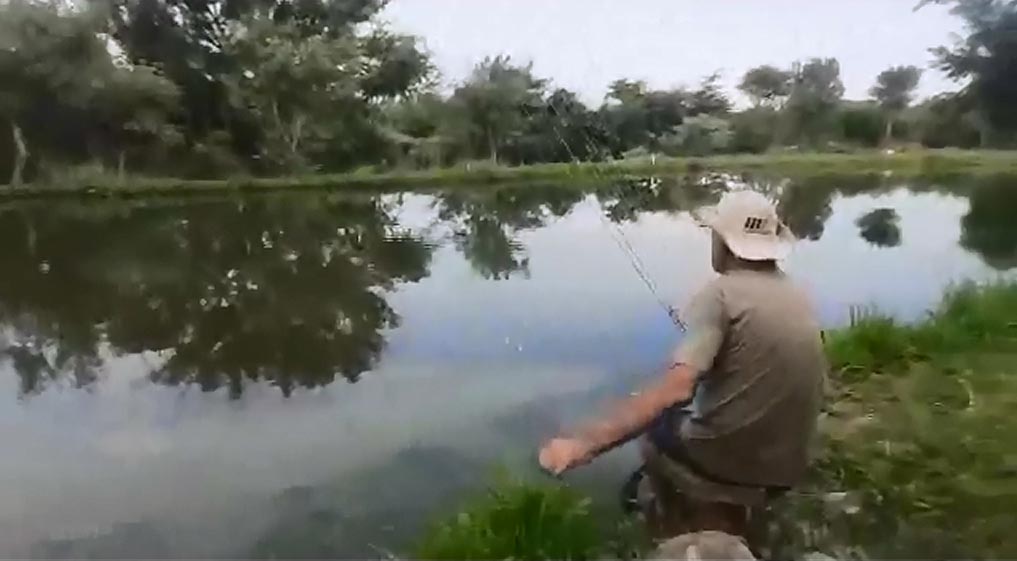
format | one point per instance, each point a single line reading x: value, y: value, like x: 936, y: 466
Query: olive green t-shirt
x: 755, y: 342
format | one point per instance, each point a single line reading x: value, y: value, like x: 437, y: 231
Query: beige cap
x: 748, y: 223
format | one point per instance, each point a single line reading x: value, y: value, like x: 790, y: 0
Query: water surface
x: 318, y: 374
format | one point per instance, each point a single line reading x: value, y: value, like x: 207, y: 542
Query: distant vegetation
x: 917, y: 458
x: 213, y: 89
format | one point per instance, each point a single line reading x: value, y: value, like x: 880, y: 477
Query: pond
x: 320, y: 374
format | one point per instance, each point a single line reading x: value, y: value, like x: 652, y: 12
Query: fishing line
x: 614, y: 230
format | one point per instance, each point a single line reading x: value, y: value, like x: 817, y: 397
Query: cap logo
x: 755, y: 225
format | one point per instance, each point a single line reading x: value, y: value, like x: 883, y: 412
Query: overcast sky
x: 585, y: 44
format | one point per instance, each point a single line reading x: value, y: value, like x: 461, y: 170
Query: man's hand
x: 562, y: 454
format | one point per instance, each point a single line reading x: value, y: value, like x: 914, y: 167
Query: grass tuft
x: 518, y: 521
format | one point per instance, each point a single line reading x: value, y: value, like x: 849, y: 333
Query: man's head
x: 747, y: 232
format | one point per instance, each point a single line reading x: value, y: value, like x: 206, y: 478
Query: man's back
x: 757, y: 402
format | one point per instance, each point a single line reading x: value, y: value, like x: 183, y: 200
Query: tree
x: 709, y: 99
x: 987, y: 57
x: 494, y: 101
x: 288, y: 81
x: 767, y: 86
x: 815, y: 96
x: 626, y: 91
x: 894, y: 90
x: 49, y: 57
x: 561, y: 129
x: 134, y: 106
x: 210, y: 49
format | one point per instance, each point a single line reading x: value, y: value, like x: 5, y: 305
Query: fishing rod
x: 614, y: 230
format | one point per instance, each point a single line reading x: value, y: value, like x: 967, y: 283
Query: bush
x: 863, y: 125
x: 944, y: 122
x: 753, y: 130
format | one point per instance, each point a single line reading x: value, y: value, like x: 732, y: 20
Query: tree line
x: 214, y: 88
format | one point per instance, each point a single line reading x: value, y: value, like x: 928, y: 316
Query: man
x: 738, y: 404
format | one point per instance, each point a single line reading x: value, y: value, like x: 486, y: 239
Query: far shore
x: 913, y: 163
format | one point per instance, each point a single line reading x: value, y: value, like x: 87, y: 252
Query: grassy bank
x: 918, y: 458
x: 911, y: 163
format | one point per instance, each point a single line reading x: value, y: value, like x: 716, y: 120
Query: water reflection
x: 487, y: 317
x: 289, y: 291
x: 375, y: 513
x: 485, y: 224
x: 880, y: 227
x: 292, y: 290
x: 989, y: 226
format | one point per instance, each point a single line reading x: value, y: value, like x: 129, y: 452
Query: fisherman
x: 738, y: 404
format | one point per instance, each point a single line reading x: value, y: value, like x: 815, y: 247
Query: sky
x: 583, y: 45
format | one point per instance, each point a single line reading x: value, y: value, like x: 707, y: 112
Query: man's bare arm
x: 626, y: 420
x: 630, y: 417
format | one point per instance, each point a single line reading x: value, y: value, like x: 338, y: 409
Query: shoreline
x: 903, y: 164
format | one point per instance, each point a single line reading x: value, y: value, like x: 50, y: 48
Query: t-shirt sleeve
x: 706, y: 326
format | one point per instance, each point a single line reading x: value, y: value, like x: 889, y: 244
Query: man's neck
x: 736, y: 265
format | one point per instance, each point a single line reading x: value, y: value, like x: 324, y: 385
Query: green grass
x: 969, y: 317
x: 795, y: 164
x: 918, y: 457
x: 519, y: 521
x: 919, y: 434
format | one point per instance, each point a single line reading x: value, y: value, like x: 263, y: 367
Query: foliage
x: 895, y: 87
x: 815, y: 94
x: 135, y: 107
x: 894, y: 90
x: 204, y: 89
x: 493, y: 101
x: 862, y: 124
x: 754, y: 130
x: 709, y: 98
x: 288, y: 80
x: 767, y: 85
x: 561, y: 129
x: 987, y: 57
x: 698, y: 136
x: 52, y: 65
x: 946, y: 120
x: 518, y: 521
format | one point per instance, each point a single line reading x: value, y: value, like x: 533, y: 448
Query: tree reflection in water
x: 286, y: 290
x: 292, y: 290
